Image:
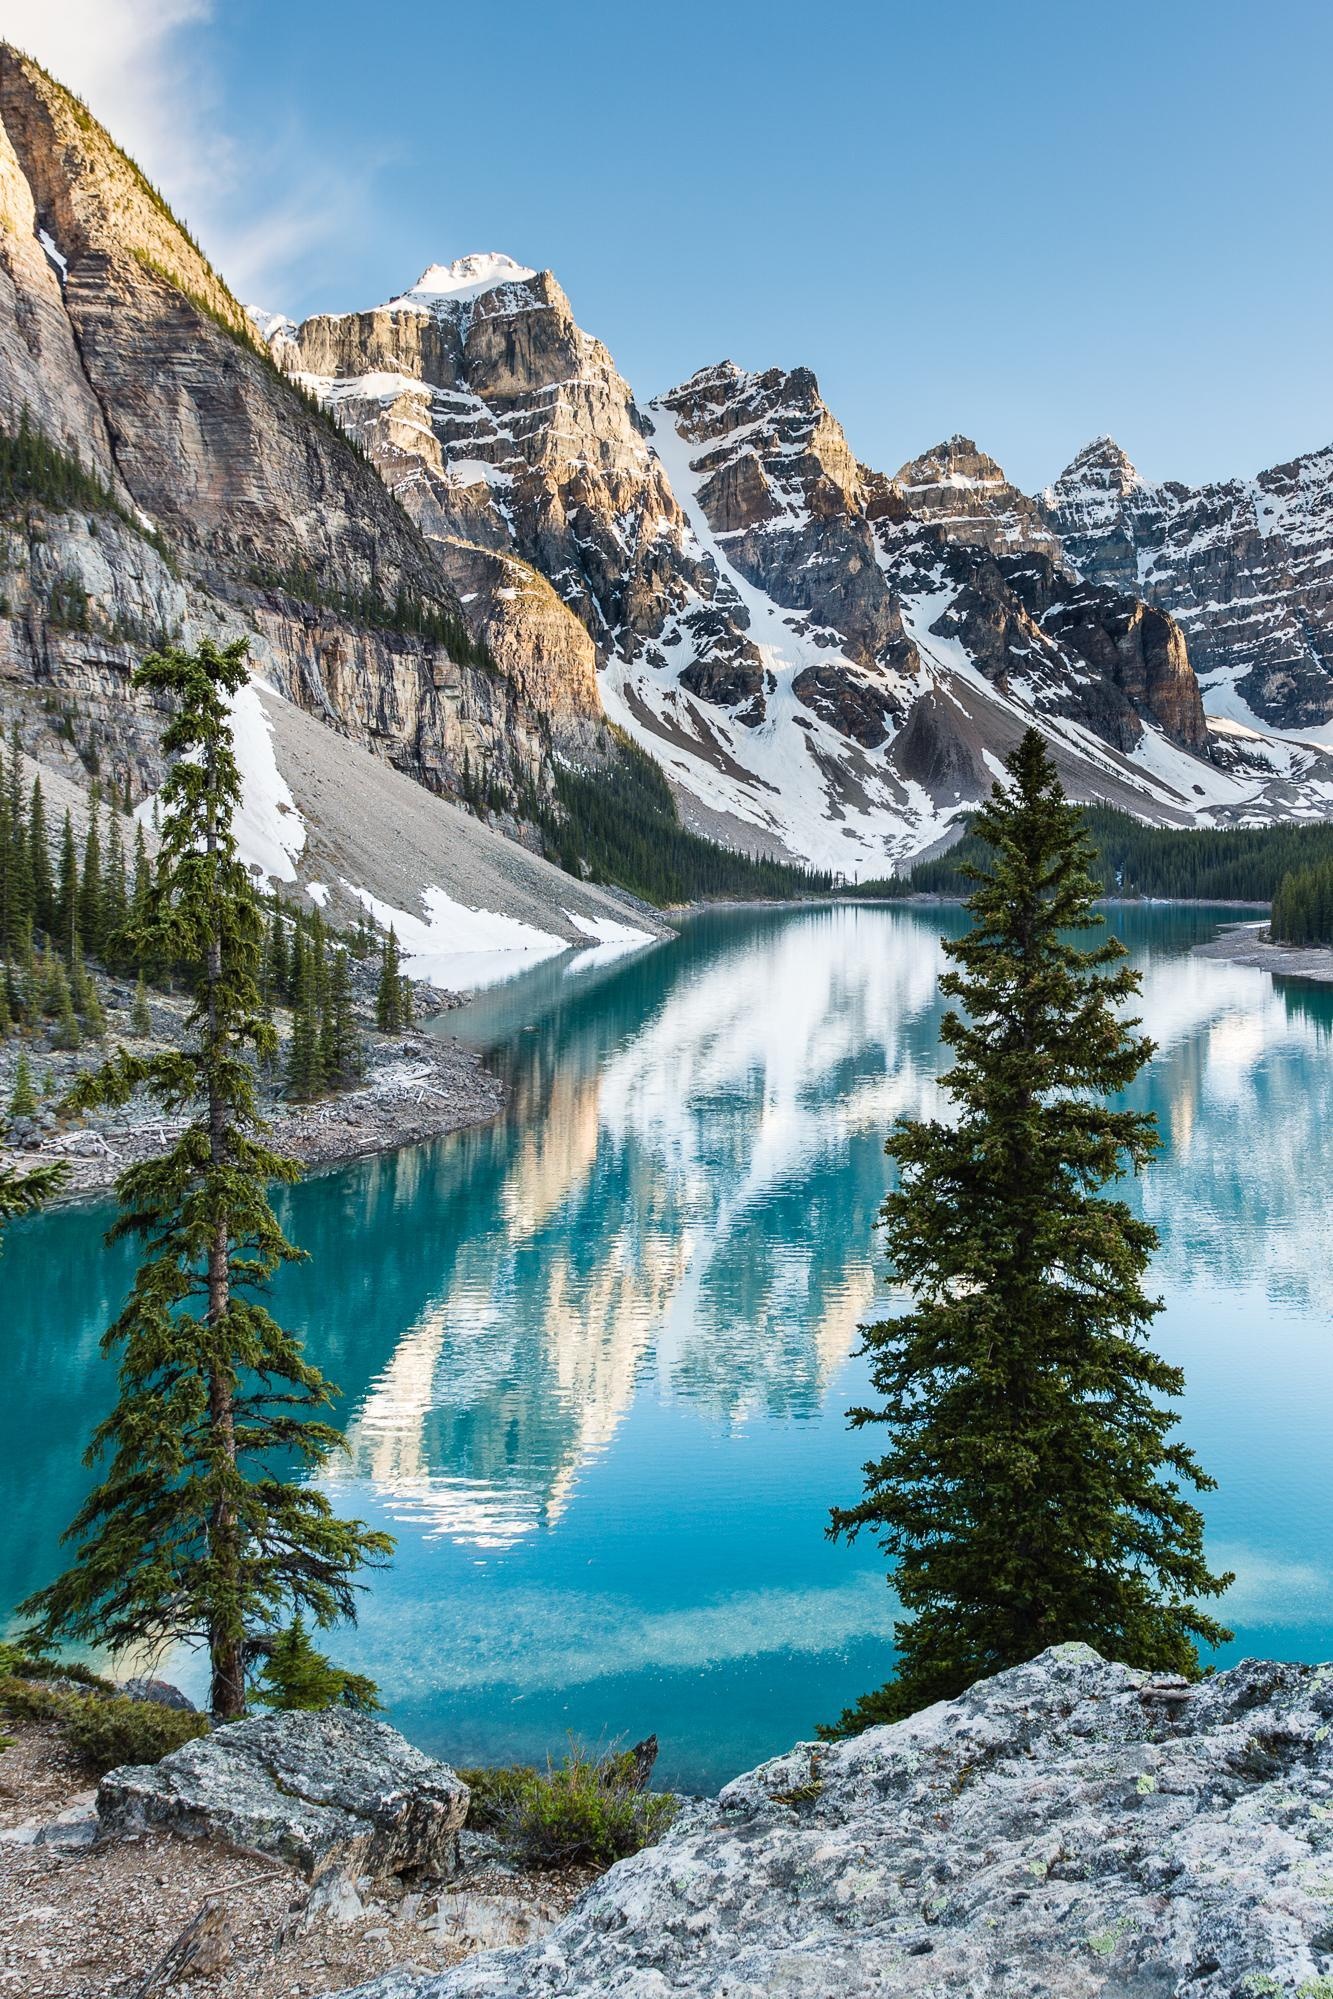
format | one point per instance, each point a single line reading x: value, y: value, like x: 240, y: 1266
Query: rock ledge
x: 327, y: 1791
x: 1069, y: 1828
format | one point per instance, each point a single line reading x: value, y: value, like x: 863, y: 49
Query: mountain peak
x: 955, y: 462
x: 466, y: 278
x: 1100, y: 466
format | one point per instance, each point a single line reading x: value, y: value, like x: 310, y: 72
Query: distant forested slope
x: 1243, y: 864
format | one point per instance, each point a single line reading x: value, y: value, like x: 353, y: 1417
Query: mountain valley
x: 452, y: 534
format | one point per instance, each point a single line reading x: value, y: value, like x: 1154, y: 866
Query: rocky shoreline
x: 1248, y: 944
x: 418, y: 1085
x: 421, y: 1088
x: 1071, y: 1829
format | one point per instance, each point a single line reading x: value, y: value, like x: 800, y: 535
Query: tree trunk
x: 226, y: 1630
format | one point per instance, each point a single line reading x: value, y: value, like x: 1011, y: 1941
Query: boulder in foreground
x: 1067, y: 1829
x: 332, y: 1789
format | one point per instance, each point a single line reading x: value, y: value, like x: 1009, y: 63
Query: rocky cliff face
x: 499, y: 423
x: 1068, y: 1830
x: 826, y: 661
x: 1244, y: 566
x: 962, y: 491
x: 234, y: 506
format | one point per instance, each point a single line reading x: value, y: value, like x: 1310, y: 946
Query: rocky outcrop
x: 330, y: 1790
x: 498, y: 421
x: 1068, y: 1830
x: 1245, y: 566
x: 962, y: 491
x: 785, y: 499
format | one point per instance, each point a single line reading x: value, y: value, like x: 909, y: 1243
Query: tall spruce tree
x: 1029, y: 1488
x: 305, y: 1063
x: 67, y: 893
x: 91, y: 926
x: 115, y: 897
x: 339, y: 1035
x: 39, y: 850
x: 191, y: 1534
x: 389, y: 990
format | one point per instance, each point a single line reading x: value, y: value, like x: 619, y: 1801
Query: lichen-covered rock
x: 1065, y: 1830
x: 327, y: 1790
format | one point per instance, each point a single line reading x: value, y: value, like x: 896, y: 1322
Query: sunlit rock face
x: 962, y: 491
x: 242, y: 510
x: 1068, y: 1830
x: 1244, y: 565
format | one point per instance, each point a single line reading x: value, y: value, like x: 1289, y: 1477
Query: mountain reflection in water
x: 596, y: 1357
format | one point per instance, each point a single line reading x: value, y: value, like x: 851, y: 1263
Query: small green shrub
x: 30, y: 1700
x: 109, y: 1730
x: 494, y: 1791
x: 23, y: 1658
x: 587, y: 1808
x: 103, y: 1728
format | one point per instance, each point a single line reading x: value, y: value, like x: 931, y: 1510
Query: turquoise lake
x: 595, y: 1357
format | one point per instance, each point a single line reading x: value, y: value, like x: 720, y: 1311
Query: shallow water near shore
x: 595, y: 1357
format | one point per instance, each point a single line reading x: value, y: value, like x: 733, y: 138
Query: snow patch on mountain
x: 780, y: 776
x: 467, y: 278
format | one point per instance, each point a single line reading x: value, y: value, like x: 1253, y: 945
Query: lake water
x: 595, y: 1357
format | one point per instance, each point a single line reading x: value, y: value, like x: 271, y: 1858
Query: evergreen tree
x: 296, y: 1675
x: 141, y: 1020
x: 139, y: 917
x: 39, y: 851
x: 23, y: 1103
x: 340, y: 1037
x: 67, y: 894
x: 141, y: 893
x: 296, y: 964
x: 192, y: 1534
x: 6, y: 1016
x: 24, y: 1193
x: 16, y: 882
x: 1028, y: 1488
x: 389, y: 990
x: 115, y: 897
x: 87, y: 1001
x: 273, y: 974
x: 91, y: 912
x: 66, y: 1035
x: 305, y: 1065
x: 56, y: 997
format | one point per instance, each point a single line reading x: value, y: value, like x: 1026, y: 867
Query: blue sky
x: 1026, y: 221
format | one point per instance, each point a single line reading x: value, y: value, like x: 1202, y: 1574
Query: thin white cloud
x: 137, y: 65
x: 143, y: 67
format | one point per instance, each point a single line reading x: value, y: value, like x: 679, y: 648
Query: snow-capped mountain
x: 826, y: 661
x: 1245, y: 566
